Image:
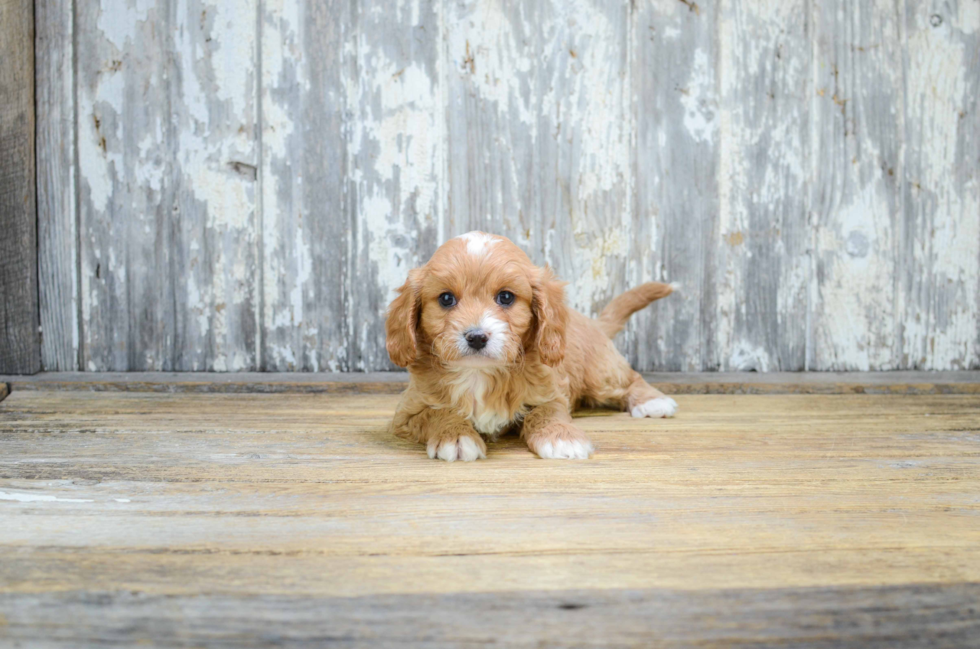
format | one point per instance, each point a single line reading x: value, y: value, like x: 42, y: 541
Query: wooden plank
x: 19, y: 341
x: 910, y: 383
x: 494, y: 122
x: 584, y: 134
x: 940, y: 321
x: 262, y: 449
x: 785, y: 514
x: 304, y: 148
x: 214, y: 120
x: 758, y: 267
x: 396, y: 158
x: 620, y: 142
x: 228, y: 382
x: 125, y: 186
x: 675, y: 85
x: 889, y: 617
x: 856, y: 195
x: 166, y: 133
x: 539, y: 133
x: 56, y: 171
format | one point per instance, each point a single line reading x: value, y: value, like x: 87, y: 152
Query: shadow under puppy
x: 491, y: 346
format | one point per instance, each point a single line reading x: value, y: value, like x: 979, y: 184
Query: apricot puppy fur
x: 491, y: 346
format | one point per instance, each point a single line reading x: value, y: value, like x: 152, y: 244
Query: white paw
x: 659, y: 407
x: 566, y: 449
x: 463, y: 448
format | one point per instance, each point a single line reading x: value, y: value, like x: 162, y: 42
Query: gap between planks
x: 963, y: 382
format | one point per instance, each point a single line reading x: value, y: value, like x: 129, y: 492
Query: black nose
x: 476, y: 339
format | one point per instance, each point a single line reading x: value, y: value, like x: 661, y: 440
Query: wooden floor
x: 294, y: 519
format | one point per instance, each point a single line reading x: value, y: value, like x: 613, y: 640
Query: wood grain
x: 778, y: 517
x: 167, y: 159
x: 758, y: 270
x: 213, y: 102
x: 396, y: 157
x: 493, y: 124
x: 821, y: 617
x: 939, y: 325
x: 908, y: 383
x: 584, y: 136
x: 676, y: 157
x: 305, y: 219
x: 539, y: 135
x: 857, y: 196
x: 125, y: 183
x: 20, y: 351
x: 56, y: 172
x: 247, y: 194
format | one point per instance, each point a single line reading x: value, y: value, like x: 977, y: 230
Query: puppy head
x: 479, y: 302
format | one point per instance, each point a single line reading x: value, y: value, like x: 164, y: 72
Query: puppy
x: 490, y: 346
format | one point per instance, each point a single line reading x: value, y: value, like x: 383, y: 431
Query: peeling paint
x: 587, y: 119
x: 396, y: 160
x: 942, y: 88
x: 252, y: 192
x: 858, y: 287
x: 498, y: 63
x: 40, y: 498
x: 119, y: 20
x: 697, y: 97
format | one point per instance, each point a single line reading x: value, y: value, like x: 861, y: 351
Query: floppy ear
x: 550, y: 315
x: 402, y: 322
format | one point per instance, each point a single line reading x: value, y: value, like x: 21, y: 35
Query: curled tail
x: 613, y: 318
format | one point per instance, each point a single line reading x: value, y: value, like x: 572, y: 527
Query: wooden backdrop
x: 240, y: 185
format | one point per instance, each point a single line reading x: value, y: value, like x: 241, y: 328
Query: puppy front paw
x: 462, y: 447
x: 561, y: 442
x: 659, y: 407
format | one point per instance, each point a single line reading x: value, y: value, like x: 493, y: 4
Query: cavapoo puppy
x: 491, y: 346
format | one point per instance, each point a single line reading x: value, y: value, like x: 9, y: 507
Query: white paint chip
x: 40, y: 498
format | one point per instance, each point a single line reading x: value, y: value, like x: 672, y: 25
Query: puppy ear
x: 550, y: 314
x: 402, y: 322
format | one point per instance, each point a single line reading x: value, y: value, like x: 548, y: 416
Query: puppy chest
x: 479, y: 399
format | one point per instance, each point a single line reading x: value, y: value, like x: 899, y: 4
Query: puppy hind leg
x: 644, y: 400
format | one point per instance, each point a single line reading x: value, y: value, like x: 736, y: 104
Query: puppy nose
x: 476, y: 339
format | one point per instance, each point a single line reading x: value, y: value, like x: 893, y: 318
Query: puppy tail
x: 613, y: 318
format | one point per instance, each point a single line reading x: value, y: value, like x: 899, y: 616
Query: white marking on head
x: 477, y: 243
x: 496, y: 331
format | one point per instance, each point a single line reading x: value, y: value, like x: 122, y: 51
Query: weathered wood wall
x: 234, y: 187
x: 19, y: 340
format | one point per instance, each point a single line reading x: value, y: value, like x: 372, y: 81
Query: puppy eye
x: 447, y: 300
x: 505, y: 298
